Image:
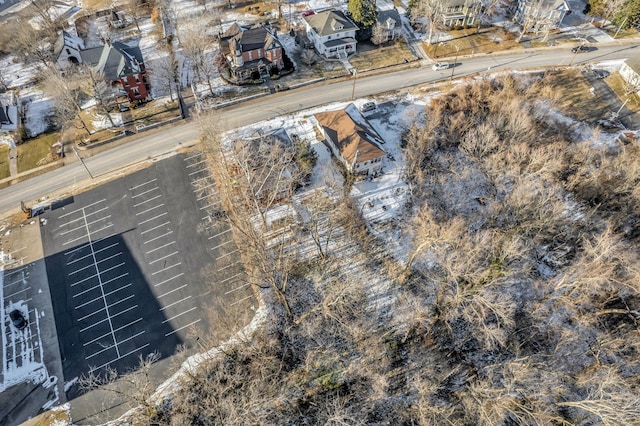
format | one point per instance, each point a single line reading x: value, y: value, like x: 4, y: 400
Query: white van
x: 440, y: 66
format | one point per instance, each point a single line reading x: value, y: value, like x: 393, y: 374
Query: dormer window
x: 337, y: 26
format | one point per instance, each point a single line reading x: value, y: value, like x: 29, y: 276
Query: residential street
x: 166, y: 139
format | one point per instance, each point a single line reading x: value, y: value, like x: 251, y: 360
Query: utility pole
x: 353, y: 90
x: 620, y: 27
x: 81, y: 160
x: 453, y: 69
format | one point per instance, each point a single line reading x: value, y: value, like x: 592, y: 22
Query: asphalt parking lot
x: 126, y: 263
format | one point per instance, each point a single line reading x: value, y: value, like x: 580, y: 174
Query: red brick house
x: 122, y: 68
x: 251, y: 53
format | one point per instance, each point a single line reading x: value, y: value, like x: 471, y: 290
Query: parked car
x: 18, y: 320
x: 368, y: 106
x: 440, y: 66
x: 580, y: 49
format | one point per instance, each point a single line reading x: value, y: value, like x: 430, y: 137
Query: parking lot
x: 129, y: 265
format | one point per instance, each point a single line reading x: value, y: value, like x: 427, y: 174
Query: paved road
x: 171, y: 137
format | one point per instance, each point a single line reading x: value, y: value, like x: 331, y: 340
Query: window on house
x: 250, y: 55
x: 68, y: 51
x: 135, y: 91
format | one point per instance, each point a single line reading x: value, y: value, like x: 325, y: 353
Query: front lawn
x: 36, y: 152
x: 370, y: 56
x: 469, y: 41
x: 4, y: 162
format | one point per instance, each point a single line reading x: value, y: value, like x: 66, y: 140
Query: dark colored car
x: 580, y: 49
x: 18, y: 319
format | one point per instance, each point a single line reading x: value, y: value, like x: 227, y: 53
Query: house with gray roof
x: 66, y: 49
x: 251, y: 53
x: 390, y: 23
x: 630, y: 72
x: 121, y: 66
x: 333, y: 34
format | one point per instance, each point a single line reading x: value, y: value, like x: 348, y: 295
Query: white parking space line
x: 152, y: 218
x: 83, y: 246
x: 149, y: 209
x: 242, y: 300
x: 15, y: 271
x: 222, y: 244
x: 163, y: 257
x: 220, y: 233
x: 237, y: 288
x: 109, y: 318
x: 169, y: 279
x: 199, y: 179
x: 195, y: 164
x: 82, y: 226
x: 119, y: 358
x: 155, y: 227
x: 78, y: 219
x: 231, y: 265
x: 97, y: 263
x: 9, y: 296
x: 179, y: 315
x: 105, y: 308
x: 227, y: 254
x: 155, y: 188
x: 174, y: 303
x: 197, y: 154
x: 83, y: 280
x: 89, y: 255
x: 82, y: 209
x: 172, y: 291
x: 146, y: 201
x: 143, y: 184
x: 230, y: 278
x: 115, y: 278
x: 210, y: 205
x: 106, y: 294
x: 158, y: 237
x: 198, y: 171
x: 109, y: 347
x: 116, y: 330
x: 167, y: 268
x: 205, y: 187
x: 88, y: 233
x: 161, y: 247
x: 181, y: 328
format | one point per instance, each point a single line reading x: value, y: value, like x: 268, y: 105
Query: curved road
x: 169, y: 138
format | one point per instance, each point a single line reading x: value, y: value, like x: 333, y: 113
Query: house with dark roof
x: 630, y: 72
x: 333, y: 34
x: 121, y: 66
x: 251, y: 53
x: 390, y: 22
x: 352, y: 140
x: 66, y: 49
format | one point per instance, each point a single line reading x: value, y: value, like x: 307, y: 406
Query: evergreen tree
x: 364, y: 13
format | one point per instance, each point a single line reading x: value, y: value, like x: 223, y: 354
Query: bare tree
x: 29, y: 43
x: 308, y: 56
x: 197, y: 45
x: 379, y: 34
x: 429, y: 9
x: 68, y: 93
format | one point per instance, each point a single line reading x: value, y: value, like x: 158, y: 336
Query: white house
x: 540, y: 15
x: 390, y: 23
x: 630, y: 72
x: 66, y: 50
x: 332, y: 34
x: 352, y: 140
